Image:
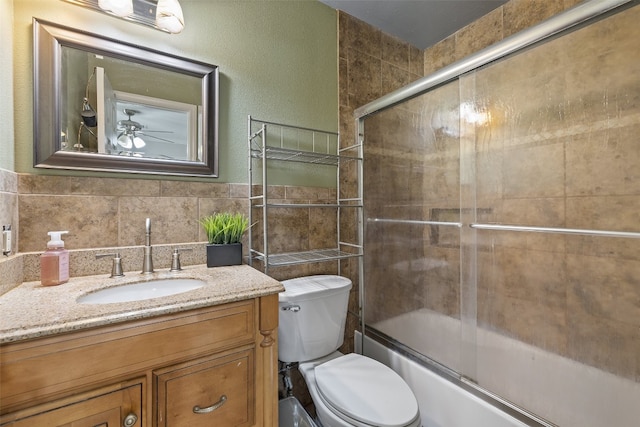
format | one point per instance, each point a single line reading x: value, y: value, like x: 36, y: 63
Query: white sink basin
x: 141, y: 291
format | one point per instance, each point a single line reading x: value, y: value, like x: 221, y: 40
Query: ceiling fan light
x: 120, y: 8
x: 125, y: 141
x: 138, y: 142
x: 169, y: 16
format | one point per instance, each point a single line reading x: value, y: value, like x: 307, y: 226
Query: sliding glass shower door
x: 502, y: 224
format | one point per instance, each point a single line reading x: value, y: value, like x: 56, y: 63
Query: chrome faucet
x: 147, y: 264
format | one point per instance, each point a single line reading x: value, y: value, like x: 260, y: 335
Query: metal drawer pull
x: 219, y: 403
x: 130, y: 420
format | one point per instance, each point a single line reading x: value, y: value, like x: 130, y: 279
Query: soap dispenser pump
x: 54, y: 262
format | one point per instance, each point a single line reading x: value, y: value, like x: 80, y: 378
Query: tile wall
x: 11, y: 265
x: 103, y: 213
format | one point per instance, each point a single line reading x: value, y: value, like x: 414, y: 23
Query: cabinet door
x: 215, y: 391
x: 107, y: 410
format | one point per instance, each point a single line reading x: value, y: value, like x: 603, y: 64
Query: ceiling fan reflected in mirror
x: 128, y: 138
x: 130, y: 131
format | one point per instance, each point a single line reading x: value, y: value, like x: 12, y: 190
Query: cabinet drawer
x: 89, y: 409
x: 221, y: 387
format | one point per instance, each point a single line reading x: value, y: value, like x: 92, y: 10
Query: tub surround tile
x: 604, y: 163
x: 612, y: 346
x: 481, y: 33
x: 540, y: 212
x: 395, y: 51
x: 343, y: 75
x: 366, y: 86
x: 440, y: 55
x: 416, y: 62
x: 605, y: 287
x: 394, y: 77
x: 604, y: 247
x: 359, y: 35
x: 536, y: 171
x: 614, y: 213
x: 521, y: 14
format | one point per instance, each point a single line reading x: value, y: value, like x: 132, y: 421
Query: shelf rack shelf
x: 272, y: 142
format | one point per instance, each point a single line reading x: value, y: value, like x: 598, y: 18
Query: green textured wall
x: 277, y: 59
x: 6, y: 86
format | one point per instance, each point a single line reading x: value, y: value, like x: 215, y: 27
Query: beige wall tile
x: 536, y: 171
x: 9, y: 206
x: 92, y: 221
x: 173, y: 220
x: 82, y: 185
x: 416, y: 62
x: 360, y: 36
x: 615, y: 213
x: 604, y: 163
x: 193, y: 189
x: 393, y: 77
x: 394, y: 51
x: 479, y: 34
x: 365, y: 85
x: 521, y: 14
x: 440, y: 55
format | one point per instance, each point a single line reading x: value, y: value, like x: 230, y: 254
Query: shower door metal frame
x: 581, y: 15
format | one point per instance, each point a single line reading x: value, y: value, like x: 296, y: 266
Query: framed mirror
x: 101, y: 104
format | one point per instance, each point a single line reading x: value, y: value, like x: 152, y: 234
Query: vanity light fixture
x: 164, y: 15
x: 169, y: 16
x: 119, y: 8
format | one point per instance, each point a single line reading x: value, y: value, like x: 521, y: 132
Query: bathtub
x: 561, y: 390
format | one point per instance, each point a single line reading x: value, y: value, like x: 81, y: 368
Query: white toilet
x: 347, y: 390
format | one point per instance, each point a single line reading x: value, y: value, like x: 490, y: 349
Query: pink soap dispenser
x: 54, y: 262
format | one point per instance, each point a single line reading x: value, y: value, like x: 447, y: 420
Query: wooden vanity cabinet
x: 170, y: 371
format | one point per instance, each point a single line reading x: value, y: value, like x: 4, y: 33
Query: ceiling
x: 421, y: 23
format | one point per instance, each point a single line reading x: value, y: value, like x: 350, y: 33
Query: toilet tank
x: 313, y: 311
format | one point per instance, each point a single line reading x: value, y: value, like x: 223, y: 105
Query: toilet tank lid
x: 310, y: 287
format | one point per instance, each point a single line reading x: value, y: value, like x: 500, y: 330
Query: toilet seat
x: 363, y: 391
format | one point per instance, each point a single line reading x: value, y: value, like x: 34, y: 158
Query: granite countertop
x: 32, y: 310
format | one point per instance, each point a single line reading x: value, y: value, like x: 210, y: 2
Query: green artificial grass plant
x: 225, y: 228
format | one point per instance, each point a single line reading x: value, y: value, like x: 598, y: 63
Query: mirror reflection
x: 122, y: 107
x: 128, y: 109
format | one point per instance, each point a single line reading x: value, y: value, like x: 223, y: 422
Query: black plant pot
x: 220, y: 255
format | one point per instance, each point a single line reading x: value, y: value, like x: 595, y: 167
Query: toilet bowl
x: 347, y: 390
x: 354, y: 390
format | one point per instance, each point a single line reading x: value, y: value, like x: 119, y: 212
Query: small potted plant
x: 224, y: 233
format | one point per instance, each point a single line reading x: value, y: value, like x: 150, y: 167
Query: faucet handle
x: 116, y: 267
x: 175, y: 258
